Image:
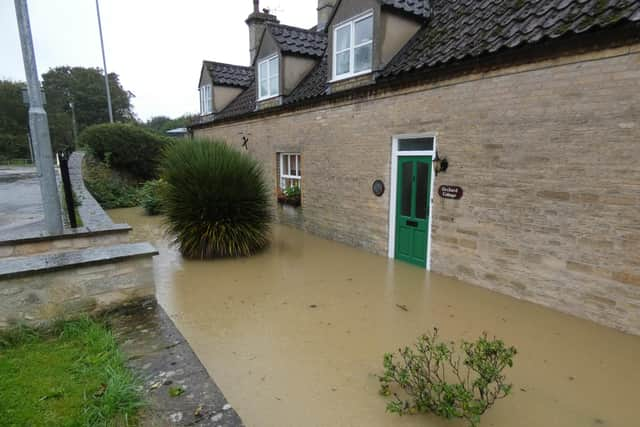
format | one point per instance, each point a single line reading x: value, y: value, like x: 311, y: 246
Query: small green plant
x: 108, y: 187
x: 292, y: 192
x: 176, y: 391
x: 290, y: 196
x: 436, y: 378
x: 216, y: 200
x: 150, y: 196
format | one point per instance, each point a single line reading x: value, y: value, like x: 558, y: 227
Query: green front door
x: 412, y: 209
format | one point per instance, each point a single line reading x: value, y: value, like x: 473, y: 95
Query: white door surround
x: 395, y: 153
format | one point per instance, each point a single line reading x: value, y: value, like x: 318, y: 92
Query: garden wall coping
x: 90, y: 211
x: 37, y: 264
x: 35, y: 237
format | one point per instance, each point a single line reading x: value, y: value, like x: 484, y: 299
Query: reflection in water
x: 295, y: 335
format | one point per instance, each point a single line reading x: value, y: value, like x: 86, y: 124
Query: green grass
x: 70, y: 375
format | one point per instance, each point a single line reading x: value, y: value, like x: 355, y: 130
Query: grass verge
x: 72, y: 374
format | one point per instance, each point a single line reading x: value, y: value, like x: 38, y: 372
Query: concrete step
x: 30, y: 243
x: 39, y: 288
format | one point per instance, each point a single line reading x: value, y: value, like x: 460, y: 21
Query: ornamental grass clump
x: 434, y: 377
x: 215, y: 200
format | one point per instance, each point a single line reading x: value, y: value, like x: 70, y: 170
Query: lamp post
x: 39, y: 125
x: 104, y: 63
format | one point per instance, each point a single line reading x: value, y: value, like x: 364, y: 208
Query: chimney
x: 257, y: 22
x: 325, y: 10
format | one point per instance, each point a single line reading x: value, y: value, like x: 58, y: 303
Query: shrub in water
x: 150, y: 196
x: 125, y: 147
x: 423, y: 373
x: 216, y: 200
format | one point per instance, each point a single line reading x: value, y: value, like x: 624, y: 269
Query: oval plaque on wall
x: 378, y: 187
x: 450, y: 192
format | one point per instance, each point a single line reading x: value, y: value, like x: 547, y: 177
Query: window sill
x: 350, y: 76
x: 291, y: 201
x: 268, y: 98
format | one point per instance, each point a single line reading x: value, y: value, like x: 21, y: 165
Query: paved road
x: 20, y: 201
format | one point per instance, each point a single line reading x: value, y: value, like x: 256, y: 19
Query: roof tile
x: 416, y: 7
x: 456, y: 30
x: 229, y: 75
x: 298, y: 40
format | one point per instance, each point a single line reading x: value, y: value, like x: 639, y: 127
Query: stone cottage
x: 494, y: 141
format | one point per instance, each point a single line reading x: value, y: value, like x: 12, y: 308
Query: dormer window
x: 353, y: 47
x: 206, y: 102
x: 269, y: 77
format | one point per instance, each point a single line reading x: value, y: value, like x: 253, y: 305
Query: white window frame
x: 284, y: 176
x: 268, y: 79
x: 393, y: 194
x: 352, y: 47
x: 206, y: 99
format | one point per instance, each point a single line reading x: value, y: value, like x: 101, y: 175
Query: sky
x: 156, y: 46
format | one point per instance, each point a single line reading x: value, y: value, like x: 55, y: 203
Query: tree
x: 84, y: 87
x: 14, y: 122
x: 162, y: 124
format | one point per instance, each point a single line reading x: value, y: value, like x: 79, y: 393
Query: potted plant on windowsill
x: 290, y: 196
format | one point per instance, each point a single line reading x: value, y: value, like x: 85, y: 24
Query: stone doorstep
x: 66, y: 234
x: 37, y: 264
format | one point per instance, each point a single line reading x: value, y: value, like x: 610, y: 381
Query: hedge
x: 125, y: 147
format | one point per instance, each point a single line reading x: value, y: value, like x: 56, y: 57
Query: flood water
x: 294, y: 336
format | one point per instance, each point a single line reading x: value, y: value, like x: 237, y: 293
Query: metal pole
x: 63, y: 158
x: 39, y: 125
x: 74, y: 125
x: 104, y: 63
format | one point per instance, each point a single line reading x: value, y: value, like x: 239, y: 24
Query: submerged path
x: 295, y: 335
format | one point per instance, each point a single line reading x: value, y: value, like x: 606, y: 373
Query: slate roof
x: 470, y: 28
x: 461, y: 29
x: 420, y: 8
x: 299, y: 41
x: 230, y: 75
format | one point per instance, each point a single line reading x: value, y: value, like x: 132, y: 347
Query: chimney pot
x: 257, y: 23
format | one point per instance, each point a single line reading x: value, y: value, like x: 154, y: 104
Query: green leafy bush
x: 150, y: 196
x: 125, y: 147
x: 423, y: 373
x: 216, y: 200
x: 107, y: 187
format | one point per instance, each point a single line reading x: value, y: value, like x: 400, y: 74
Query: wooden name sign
x: 450, y: 192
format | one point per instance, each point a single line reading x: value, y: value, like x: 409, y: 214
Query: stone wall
x: 547, y: 155
x: 89, y: 269
x: 38, y: 296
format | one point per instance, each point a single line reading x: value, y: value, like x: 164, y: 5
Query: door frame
x: 394, y: 186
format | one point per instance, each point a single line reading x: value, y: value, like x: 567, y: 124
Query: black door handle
x: 412, y: 223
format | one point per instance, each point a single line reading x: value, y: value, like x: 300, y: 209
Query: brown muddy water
x: 294, y: 336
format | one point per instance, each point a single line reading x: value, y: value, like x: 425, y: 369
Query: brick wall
x: 549, y: 159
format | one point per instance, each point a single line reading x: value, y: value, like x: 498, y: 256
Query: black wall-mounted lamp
x: 441, y: 165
